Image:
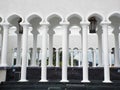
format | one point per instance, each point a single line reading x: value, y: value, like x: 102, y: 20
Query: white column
x: 19, y: 49
x: 33, y: 63
x: 57, y: 58
x: 4, y: 44
x: 110, y: 58
x: 65, y: 54
x: 44, y: 52
x: 1, y: 36
x: 80, y: 58
x: 40, y: 57
x: 1, y: 40
x: 50, y: 62
x: 105, y: 52
x: 68, y: 57
x: 24, y: 51
x: 117, y: 63
x: 84, y: 45
x: 99, y: 52
x: 94, y: 59
x: 27, y: 57
x: 71, y: 58
x: 12, y: 57
x: 81, y: 48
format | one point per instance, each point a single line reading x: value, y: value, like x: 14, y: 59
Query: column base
x: 3, y: 65
x: 85, y: 81
x: 100, y: 66
x: 69, y: 65
x: 57, y: 66
x: 17, y: 65
x: 23, y: 80
x: 64, y: 81
x: 117, y: 65
x: 43, y: 81
x: 50, y: 65
x: 107, y: 81
x: 79, y: 65
x: 33, y: 66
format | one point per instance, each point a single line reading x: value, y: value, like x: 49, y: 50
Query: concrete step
x: 96, y: 85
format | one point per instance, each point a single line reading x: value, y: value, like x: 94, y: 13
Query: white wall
x: 2, y: 75
x: 44, y: 8
x: 63, y: 7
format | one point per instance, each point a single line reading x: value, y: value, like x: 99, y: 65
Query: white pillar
x: 44, y: 52
x: 57, y: 58
x: 105, y: 52
x: 117, y: 64
x: 33, y: 63
x: 19, y: 49
x: 84, y: 45
x: 94, y: 59
x: 110, y: 58
x: 68, y: 62
x: 4, y: 44
x: 71, y: 58
x: 50, y: 61
x: 65, y: 52
x: 40, y: 57
x: 12, y: 57
x: 100, y: 52
x: 1, y: 40
x: 80, y: 58
x: 24, y: 51
x: 81, y: 48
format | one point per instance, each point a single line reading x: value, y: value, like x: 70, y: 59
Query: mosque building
x: 53, y: 38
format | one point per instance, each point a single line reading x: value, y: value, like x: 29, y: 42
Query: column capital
x: 66, y: 23
x: 57, y: 49
x: 5, y: 24
x: 71, y: 50
x: 94, y: 50
x: 44, y: 23
x: 105, y: 23
x: 84, y: 23
x: 25, y: 24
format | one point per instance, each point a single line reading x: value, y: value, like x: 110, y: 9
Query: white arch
x: 32, y: 15
x: 12, y: 16
x: 51, y: 15
x: 97, y: 14
x: 76, y: 14
x: 115, y: 13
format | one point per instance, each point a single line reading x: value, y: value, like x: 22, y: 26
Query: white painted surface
x: 2, y: 75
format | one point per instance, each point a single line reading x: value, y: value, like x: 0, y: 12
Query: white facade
x: 59, y: 24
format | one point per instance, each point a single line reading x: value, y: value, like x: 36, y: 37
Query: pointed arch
x: 14, y: 16
x: 97, y: 15
x: 33, y: 16
x: 115, y: 13
x: 74, y: 14
x: 53, y: 15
